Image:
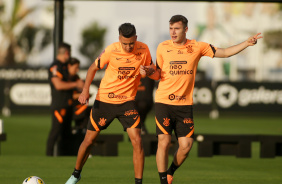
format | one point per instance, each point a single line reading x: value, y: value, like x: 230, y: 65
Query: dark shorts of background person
x: 60, y: 129
x: 177, y: 118
x: 144, y: 97
x: 102, y: 114
x: 81, y: 114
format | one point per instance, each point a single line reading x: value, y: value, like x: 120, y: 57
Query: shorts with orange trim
x: 102, y: 114
x: 61, y: 115
x: 174, y: 118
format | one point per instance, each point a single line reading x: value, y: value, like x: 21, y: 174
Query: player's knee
x: 136, y: 141
x: 87, y: 142
x: 185, y: 149
x: 164, y: 145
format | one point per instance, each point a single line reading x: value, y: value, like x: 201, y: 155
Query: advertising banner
x: 249, y: 96
x: 203, y: 96
x: 29, y: 89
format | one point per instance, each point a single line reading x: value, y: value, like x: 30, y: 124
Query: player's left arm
x: 233, y: 50
x: 154, y: 71
x: 150, y: 71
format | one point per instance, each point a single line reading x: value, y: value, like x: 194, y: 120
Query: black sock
x: 172, y: 169
x: 163, y: 177
x: 76, y: 173
x: 138, y: 181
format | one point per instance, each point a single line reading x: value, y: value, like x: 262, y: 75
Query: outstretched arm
x: 230, y: 51
x: 84, y: 96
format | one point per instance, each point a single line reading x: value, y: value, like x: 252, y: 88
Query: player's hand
x: 253, y: 39
x: 142, y: 71
x: 149, y: 70
x: 84, y: 97
x: 146, y: 70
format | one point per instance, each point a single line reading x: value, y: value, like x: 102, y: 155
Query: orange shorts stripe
x: 136, y: 123
x: 191, y: 133
x: 93, y: 122
x: 58, y: 116
x: 80, y: 110
x: 160, y: 127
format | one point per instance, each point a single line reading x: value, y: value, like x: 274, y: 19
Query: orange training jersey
x: 122, y: 75
x: 178, y: 66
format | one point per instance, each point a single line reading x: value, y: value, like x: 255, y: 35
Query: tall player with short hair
x: 177, y: 61
x: 61, y: 105
x: 115, y: 97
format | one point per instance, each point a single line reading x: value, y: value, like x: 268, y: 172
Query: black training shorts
x: 173, y: 117
x: 102, y: 114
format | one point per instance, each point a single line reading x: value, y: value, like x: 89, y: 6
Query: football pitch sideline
x: 23, y: 154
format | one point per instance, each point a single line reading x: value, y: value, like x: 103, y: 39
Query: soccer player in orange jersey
x: 115, y: 97
x: 176, y: 67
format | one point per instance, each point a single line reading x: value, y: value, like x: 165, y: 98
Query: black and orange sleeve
x: 207, y: 49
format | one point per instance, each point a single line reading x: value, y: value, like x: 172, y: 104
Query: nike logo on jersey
x: 118, y: 58
x: 169, y: 50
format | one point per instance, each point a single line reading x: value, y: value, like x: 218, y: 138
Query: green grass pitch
x: 23, y: 154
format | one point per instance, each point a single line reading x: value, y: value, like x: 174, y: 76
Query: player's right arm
x: 84, y: 96
x: 98, y: 64
x: 57, y: 81
x: 59, y: 84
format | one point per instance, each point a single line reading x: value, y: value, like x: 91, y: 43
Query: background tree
x: 92, y: 41
x: 273, y: 38
x: 19, y: 36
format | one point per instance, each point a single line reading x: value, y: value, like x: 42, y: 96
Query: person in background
x: 61, y: 104
x: 81, y: 112
x: 144, y: 101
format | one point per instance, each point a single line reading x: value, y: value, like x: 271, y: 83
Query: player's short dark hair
x: 127, y: 30
x: 63, y: 47
x: 73, y: 61
x: 177, y: 18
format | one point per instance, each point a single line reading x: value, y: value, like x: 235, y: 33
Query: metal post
x: 58, y: 24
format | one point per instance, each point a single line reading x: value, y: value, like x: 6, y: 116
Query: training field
x: 23, y: 154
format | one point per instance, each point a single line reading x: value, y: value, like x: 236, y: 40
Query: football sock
x: 163, y: 177
x: 138, y: 181
x: 172, y: 169
x: 76, y: 173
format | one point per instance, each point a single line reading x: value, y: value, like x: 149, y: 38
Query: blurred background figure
x: 61, y: 104
x: 81, y: 112
x: 144, y: 100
